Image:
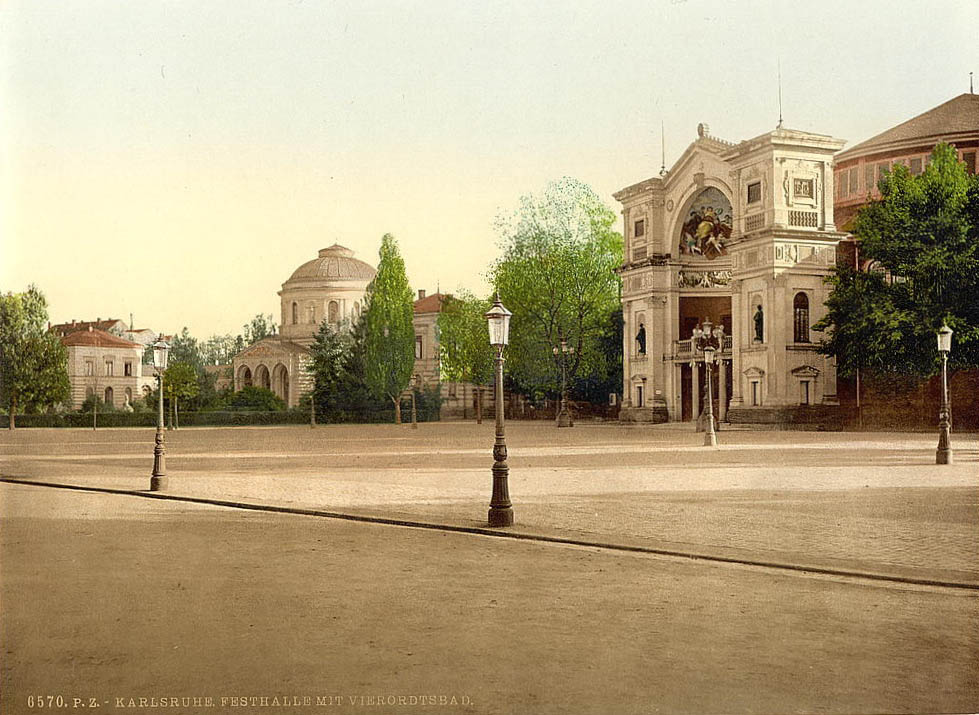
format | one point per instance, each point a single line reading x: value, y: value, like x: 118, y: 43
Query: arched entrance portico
x: 262, y: 377
x: 280, y: 382
x: 244, y: 377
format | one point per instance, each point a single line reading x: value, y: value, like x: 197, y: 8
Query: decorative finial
x: 662, y: 142
x: 970, y: 84
x: 779, y: 93
x: 702, y: 130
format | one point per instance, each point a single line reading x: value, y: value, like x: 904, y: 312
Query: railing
x: 684, y: 350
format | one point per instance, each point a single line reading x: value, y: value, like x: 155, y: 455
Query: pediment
x: 805, y: 371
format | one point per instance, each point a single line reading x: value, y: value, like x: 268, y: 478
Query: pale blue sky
x: 208, y: 149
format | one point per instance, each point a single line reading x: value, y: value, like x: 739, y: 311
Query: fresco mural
x: 708, y: 226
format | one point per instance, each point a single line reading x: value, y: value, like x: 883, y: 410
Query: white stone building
x: 743, y: 235
x: 106, y: 365
x: 330, y: 287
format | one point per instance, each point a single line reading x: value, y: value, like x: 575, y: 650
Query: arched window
x: 295, y: 313
x: 333, y: 312
x: 108, y: 396
x: 800, y: 311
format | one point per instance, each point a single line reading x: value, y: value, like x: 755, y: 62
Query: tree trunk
x: 397, y: 409
x: 13, y: 411
x: 465, y: 403
x: 479, y: 404
x: 95, y: 412
x: 176, y: 414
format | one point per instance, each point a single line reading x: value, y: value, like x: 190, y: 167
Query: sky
x: 178, y: 160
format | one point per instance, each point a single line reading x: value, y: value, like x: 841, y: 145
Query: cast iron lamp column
x: 564, y: 414
x: 414, y: 410
x: 158, y: 481
x: 943, y: 455
x: 709, y: 341
x: 501, y: 509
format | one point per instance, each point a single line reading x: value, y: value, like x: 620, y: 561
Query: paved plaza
x: 867, y: 603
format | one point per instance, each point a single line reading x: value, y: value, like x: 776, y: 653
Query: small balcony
x: 683, y: 349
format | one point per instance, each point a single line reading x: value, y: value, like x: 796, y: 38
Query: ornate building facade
x: 742, y: 235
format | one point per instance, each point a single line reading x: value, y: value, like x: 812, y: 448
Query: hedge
x: 148, y: 419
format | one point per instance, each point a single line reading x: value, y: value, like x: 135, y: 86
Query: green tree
x: 256, y: 398
x: 390, y: 340
x: 219, y: 349
x: 464, y: 351
x: 557, y: 275
x: 33, y: 362
x: 921, y: 238
x: 261, y: 326
x: 179, y: 383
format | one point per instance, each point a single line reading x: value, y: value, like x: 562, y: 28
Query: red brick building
x: 893, y: 400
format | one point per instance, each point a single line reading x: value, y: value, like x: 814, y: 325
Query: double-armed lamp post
x: 564, y: 414
x: 943, y: 454
x: 709, y: 340
x: 158, y: 482
x: 501, y: 510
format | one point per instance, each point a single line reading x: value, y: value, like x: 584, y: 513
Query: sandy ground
x: 114, y: 597
x: 130, y: 598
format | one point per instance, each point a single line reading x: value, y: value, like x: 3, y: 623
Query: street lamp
x: 414, y: 412
x: 501, y: 509
x: 943, y: 454
x: 564, y: 414
x: 709, y: 341
x: 158, y: 482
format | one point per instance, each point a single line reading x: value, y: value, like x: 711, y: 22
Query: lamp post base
x: 943, y: 456
x: 501, y: 516
x: 564, y: 419
x: 159, y: 484
x: 710, y: 439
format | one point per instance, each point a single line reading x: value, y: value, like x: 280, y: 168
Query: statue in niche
x: 641, y: 339
x: 759, y: 325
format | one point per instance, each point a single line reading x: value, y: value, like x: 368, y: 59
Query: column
x: 627, y: 338
x: 695, y: 390
x: 722, y: 390
x: 737, y: 336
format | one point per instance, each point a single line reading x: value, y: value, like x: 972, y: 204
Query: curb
x: 515, y: 535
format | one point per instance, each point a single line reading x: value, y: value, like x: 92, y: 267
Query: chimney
x: 421, y: 294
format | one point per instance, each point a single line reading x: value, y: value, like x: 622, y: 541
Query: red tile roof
x: 956, y: 116
x: 98, y: 339
x: 65, y: 328
x: 430, y: 303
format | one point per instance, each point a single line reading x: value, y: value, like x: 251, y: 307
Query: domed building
x: 330, y: 287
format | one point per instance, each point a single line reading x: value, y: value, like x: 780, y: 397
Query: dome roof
x: 334, y: 263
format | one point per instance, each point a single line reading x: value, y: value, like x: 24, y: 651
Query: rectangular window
x: 969, y: 157
x: 868, y: 178
x: 854, y: 180
x: 89, y: 368
x: 844, y: 187
x: 754, y: 192
x: 881, y: 170
x: 802, y: 188
x: 754, y: 394
x: 418, y: 347
x: 108, y: 368
x: 639, y: 396
x: 916, y: 166
x: 128, y: 369
x: 639, y: 229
